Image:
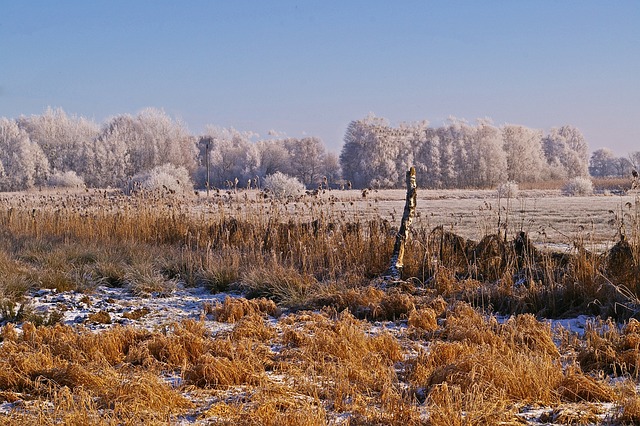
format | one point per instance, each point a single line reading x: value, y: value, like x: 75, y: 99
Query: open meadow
x: 234, y: 308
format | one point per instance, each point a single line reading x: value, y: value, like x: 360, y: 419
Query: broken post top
x: 411, y: 179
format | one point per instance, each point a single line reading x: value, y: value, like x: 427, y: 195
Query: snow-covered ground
x: 152, y: 313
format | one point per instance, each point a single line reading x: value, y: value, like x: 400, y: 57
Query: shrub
x: 283, y: 186
x: 164, y: 178
x: 68, y: 179
x: 578, y: 186
x: 508, y: 189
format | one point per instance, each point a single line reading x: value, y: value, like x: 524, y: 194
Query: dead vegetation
x: 317, y: 337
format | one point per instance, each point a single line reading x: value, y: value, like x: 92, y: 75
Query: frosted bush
x: 508, y: 189
x: 578, y: 186
x: 68, y: 179
x: 166, y: 178
x: 283, y: 186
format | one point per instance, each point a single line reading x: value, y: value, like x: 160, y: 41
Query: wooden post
x: 395, y: 269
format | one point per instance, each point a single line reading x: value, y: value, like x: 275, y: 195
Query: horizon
x: 309, y: 68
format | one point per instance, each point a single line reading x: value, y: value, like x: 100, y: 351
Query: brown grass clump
x: 424, y: 319
x: 286, y: 286
x: 516, y: 360
x: 630, y: 410
x: 136, y: 314
x: 450, y: 406
x: 372, y: 303
x: 343, y: 364
x: 272, y: 405
x: 253, y: 327
x: 578, y: 387
x: 611, y: 349
x: 46, y: 362
x: 101, y: 317
x: 233, y: 309
x: 219, y: 373
x: 576, y: 414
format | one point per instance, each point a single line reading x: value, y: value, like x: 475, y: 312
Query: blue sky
x: 310, y: 67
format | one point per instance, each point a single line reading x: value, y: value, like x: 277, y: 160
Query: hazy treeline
x: 55, y: 147
x: 459, y: 155
x: 604, y: 163
x: 35, y: 149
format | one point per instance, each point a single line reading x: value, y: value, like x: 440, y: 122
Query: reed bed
x: 317, y: 335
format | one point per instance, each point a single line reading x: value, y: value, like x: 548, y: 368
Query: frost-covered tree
x: 307, y: 159
x: 128, y: 145
x: 162, y: 140
x: 111, y: 152
x: 273, y: 157
x: 367, y: 155
x: 525, y: 157
x: 331, y: 168
x: 427, y: 158
x: 622, y: 167
x: 488, y: 160
x: 602, y: 163
x: 65, y: 140
x: 448, y: 172
x: 231, y: 156
x: 634, y: 159
x: 22, y: 162
x: 463, y: 138
x: 567, y: 151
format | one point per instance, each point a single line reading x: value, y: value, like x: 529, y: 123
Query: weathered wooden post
x: 395, y: 269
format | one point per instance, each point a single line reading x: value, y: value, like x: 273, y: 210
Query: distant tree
x: 273, y: 157
x: 566, y: 148
x: 111, y: 160
x: 488, y: 158
x: 232, y: 156
x: 622, y: 167
x: 462, y: 139
x: 66, y: 141
x: 369, y: 153
x: 161, y: 140
x: 602, y: 163
x: 307, y: 159
x: 427, y: 159
x: 525, y: 156
x: 22, y: 162
x: 408, y: 139
x: 448, y: 171
x: 634, y: 159
x: 331, y: 168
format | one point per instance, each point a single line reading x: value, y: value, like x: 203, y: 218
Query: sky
x: 308, y: 68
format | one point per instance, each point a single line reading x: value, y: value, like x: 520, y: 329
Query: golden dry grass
x: 348, y: 347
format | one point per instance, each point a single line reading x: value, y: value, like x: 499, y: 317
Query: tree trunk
x: 395, y: 269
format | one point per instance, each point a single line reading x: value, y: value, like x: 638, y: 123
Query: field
x: 236, y: 309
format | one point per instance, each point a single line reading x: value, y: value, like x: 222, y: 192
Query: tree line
x: 458, y: 154
x: 38, y: 149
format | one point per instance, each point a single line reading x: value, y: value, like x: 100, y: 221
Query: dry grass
x: 445, y: 358
x: 233, y: 309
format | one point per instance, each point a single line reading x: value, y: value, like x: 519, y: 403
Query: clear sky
x: 310, y: 67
